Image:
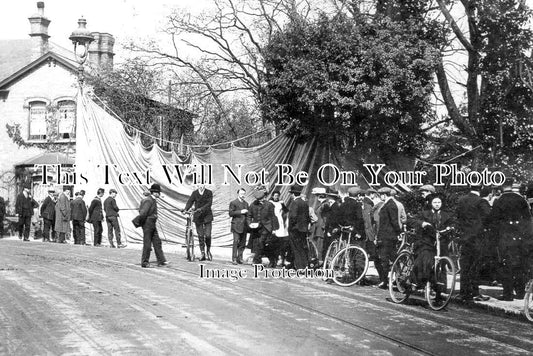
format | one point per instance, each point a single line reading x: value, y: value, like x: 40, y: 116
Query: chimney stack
x: 101, y: 51
x: 39, y: 31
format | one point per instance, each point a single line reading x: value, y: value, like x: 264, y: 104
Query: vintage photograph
x: 266, y: 177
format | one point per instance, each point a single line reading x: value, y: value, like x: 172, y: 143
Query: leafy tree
x: 360, y: 84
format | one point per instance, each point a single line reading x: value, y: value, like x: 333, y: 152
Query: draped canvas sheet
x: 102, y: 140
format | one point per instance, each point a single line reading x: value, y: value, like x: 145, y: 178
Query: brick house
x: 38, y: 87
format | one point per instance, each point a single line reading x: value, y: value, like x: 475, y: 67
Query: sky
x: 124, y: 19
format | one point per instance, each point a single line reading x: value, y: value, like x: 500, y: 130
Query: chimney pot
x: 39, y: 30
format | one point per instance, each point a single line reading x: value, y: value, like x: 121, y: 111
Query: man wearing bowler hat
x: 147, y: 218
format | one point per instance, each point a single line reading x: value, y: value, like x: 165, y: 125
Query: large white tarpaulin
x: 103, y: 141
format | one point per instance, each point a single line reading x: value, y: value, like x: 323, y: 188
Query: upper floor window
x: 66, y: 119
x: 38, y: 126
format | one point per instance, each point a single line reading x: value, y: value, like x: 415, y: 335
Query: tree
x: 131, y: 90
x: 497, y: 109
x: 359, y: 84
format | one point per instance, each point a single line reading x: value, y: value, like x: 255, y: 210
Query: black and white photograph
x: 266, y: 177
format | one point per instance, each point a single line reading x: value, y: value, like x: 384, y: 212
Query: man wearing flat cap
x: 79, y: 214
x: 299, y: 220
x: 147, y: 218
x: 322, y: 209
x: 263, y: 222
x: 48, y: 213
x: 388, y: 230
x: 111, y: 214
x: 353, y: 211
x: 333, y: 219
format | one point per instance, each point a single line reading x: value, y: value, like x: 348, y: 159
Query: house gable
x: 50, y: 59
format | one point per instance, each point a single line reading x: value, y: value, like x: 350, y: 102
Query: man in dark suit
x: 472, y: 211
x: 24, y: 209
x: 298, y: 226
x: 147, y: 218
x: 239, y: 211
x: 388, y: 230
x: 352, y: 212
x: 511, y: 221
x: 111, y: 214
x: 333, y: 219
x: 48, y: 213
x: 96, y: 216
x: 79, y: 214
x: 202, y: 199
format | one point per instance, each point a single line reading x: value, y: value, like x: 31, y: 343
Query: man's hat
x: 296, y: 189
x: 354, y: 191
x: 318, y: 191
x: 475, y: 187
x: 259, y: 193
x: 371, y: 190
x: 384, y: 190
x: 114, y: 191
x: 427, y: 188
x: 155, y: 188
x: 51, y: 191
x: 332, y: 192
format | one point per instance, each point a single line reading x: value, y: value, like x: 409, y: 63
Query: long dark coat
x: 62, y: 224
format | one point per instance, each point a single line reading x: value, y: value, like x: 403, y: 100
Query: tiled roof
x: 16, y: 54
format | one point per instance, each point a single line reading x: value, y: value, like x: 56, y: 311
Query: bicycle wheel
x: 400, y: 277
x: 331, y: 252
x: 312, y: 254
x: 440, y: 287
x: 528, y: 300
x: 349, y: 266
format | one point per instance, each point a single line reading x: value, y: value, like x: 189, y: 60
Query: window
x: 66, y: 119
x: 37, y: 130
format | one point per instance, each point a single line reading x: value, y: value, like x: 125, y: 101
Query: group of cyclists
x: 491, y: 227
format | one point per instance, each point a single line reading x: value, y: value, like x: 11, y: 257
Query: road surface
x: 60, y: 299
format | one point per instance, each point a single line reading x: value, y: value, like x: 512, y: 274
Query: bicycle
x: 189, y: 238
x: 350, y: 264
x: 335, y: 246
x: 442, y: 280
x: 400, y: 274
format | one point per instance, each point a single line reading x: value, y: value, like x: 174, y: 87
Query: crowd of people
x: 493, y: 228
x: 63, y: 216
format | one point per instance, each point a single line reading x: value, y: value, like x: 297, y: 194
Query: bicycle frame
x: 189, y: 237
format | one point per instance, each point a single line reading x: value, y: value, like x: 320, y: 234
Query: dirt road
x: 81, y: 300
